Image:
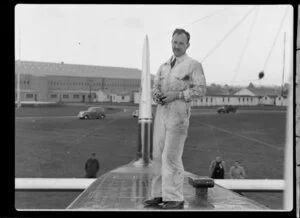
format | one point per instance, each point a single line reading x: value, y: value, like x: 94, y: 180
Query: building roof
x: 298, y: 36
x: 264, y: 91
x: 63, y: 69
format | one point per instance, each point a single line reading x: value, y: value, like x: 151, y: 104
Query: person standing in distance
x: 237, y: 171
x: 178, y: 81
x: 91, y: 167
x: 217, y: 168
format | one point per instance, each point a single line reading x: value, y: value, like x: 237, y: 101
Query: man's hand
x: 170, y: 96
x: 157, y: 97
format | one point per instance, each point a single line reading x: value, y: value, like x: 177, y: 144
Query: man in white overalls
x: 177, y: 82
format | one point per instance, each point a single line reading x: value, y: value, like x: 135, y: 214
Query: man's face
x: 179, y: 44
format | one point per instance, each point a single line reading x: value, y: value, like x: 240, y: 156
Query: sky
x: 233, y: 42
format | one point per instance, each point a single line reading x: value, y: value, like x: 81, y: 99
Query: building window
x: 29, y: 95
x: 265, y: 98
x: 206, y: 99
x: 123, y: 97
x: 53, y: 96
x: 211, y: 99
x: 65, y: 96
x: 75, y: 96
x: 223, y: 99
x: 228, y: 99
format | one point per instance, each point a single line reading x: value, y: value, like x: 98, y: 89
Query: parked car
x: 135, y: 114
x: 227, y: 109
x: 92, y: 113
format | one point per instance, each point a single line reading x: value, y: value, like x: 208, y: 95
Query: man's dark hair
x: 180, y: 31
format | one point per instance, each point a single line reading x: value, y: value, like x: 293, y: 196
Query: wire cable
x: 225, y: 37
x: 196, y: 21
x: 246, y: 45
x: 203, y: 18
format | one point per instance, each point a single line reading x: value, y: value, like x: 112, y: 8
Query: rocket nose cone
x: 146, y: 37
x: 145, y: 99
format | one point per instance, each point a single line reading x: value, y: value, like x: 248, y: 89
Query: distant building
x: 243, y: 97
x: 219, y: 100
x: 122, y: 97
x: 61, y: 82
x: 265, y: 96
x: 267, y: 100
x: 103, y: 96
x: 136, y: 97
x: 281, y: 101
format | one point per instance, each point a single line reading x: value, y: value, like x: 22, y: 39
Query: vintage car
x: 227, y: 109
x: 92, y: 113
x: 135, y: 114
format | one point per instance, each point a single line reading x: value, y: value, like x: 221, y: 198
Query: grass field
x: 53, y: 143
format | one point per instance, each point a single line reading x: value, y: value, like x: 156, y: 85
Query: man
x: 177, y: 82
x: 237, y: 171
x: 217, y: 168
x: 92, y: 167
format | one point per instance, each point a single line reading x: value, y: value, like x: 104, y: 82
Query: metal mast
x: 282, y: 83
x: 18, y: 74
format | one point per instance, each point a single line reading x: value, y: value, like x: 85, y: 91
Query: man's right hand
x: 159, y: 98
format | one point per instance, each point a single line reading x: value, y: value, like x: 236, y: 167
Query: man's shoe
x: 153, y: 207
x: 171, y: 205
x: 154, y: 201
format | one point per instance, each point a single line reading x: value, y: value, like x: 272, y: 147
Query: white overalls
x: 171, y: 124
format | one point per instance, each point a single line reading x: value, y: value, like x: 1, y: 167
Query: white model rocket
x: 144, y: 153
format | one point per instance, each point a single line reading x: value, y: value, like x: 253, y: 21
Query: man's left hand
x: 170, y: 96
